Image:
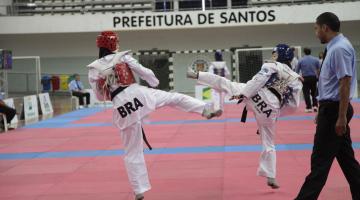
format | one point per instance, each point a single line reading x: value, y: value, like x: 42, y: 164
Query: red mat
x: 210, y: 176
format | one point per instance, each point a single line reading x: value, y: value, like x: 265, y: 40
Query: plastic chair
x: 74, y: 103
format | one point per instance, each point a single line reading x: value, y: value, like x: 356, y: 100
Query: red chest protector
x: 124, y: 74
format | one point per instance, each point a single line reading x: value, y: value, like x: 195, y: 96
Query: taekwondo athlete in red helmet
x: 112, y: 78
x: 273, y: 91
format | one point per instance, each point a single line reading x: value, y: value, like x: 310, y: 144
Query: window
x: 236, y: 3
x: 163, y: 5
x: 190, y: 4
x: 217, y: 3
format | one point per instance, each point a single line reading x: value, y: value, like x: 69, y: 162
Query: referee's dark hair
x: 307, y: 51
x: 329, y: 19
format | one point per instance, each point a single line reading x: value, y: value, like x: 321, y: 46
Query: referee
x: 336, y: 88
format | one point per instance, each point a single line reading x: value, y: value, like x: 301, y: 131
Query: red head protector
x: 108, y: 40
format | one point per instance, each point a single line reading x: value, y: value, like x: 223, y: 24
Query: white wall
x: 83, y: 44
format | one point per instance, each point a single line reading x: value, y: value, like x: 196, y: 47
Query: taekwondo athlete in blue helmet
x: 274, y: 91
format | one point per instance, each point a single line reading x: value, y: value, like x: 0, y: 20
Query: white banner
x: 31, y: 110
x: 45, y: 104
x: 295, y: 14
x: 10, y: 102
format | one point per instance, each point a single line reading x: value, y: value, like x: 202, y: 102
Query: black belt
x: 117, y: 91
x: 327, y: 101
x: 276, y: 93
x: 244, y: 116
x: 145, y: 139
x: 244, y: 113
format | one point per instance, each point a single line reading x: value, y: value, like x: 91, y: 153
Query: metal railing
x: 42, y: 7
x: 31, y: 7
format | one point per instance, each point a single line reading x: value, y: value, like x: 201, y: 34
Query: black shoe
x: 315, y: 108
x: 139, y: 196
x: 272, y: 183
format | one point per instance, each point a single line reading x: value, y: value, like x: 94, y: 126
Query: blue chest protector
x: 285, y: 92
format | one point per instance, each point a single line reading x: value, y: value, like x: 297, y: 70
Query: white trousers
x: 218, y: 99
x: 132, y: 139
x: 265, y: 119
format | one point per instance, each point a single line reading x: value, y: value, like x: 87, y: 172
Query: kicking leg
x: 183, y: 102
x: 219, y: 83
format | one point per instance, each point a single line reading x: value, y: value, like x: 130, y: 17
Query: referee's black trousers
x: 327, y: 146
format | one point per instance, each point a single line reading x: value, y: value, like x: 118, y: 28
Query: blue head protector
x: 218, y: 56
x: 285, y: 53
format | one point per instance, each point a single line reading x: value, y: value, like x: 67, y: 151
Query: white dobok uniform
x: 219, y: 68
x: 294, y: 63
x: 264, y: 103
x: 132, y: 105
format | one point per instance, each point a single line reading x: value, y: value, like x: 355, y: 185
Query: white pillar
x: 3, y: 6
x: 203, y: 5
x: 229, y: 4
x: 356, y: 95
x: 176, y: 5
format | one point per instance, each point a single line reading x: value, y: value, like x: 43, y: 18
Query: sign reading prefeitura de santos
x: 194, y: 19
x: 129, y: 21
